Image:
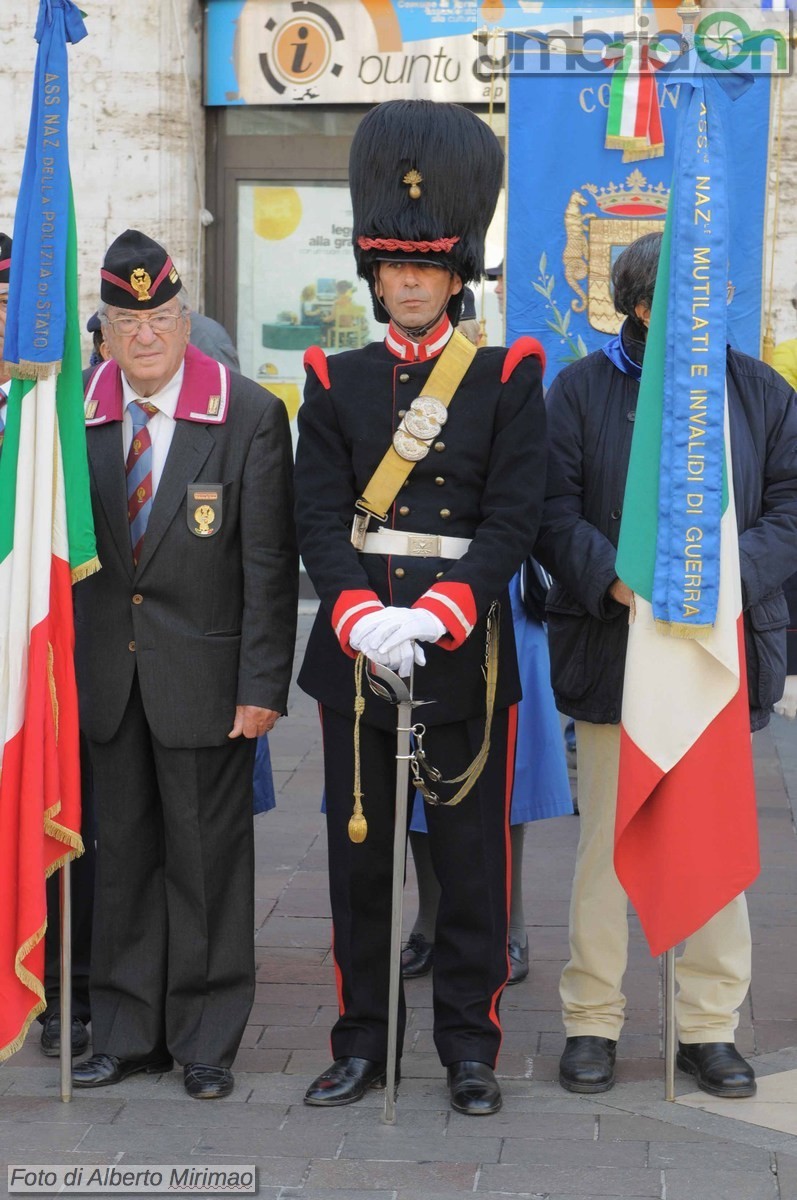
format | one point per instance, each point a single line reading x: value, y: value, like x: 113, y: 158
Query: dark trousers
x: 173, y: 949
x: 469, y: 847
x: 82, y: 894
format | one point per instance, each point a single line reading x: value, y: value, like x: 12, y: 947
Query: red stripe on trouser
x: 335, y: 964
x: 511, y: 747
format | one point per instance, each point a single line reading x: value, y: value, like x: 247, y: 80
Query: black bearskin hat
x: 424, y: 179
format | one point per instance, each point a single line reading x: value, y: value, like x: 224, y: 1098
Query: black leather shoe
x: 587, y: 1064
x: 207, y: 1083
x: 718, y: 1068
x: 101, y: 1070
x: 474, y: 1089
x: 518, y: 961
x: 51, y: 1036
x: 417, y: 957
x: 347, y: 1080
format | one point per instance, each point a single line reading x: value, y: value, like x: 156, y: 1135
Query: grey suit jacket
x: 208, y: 622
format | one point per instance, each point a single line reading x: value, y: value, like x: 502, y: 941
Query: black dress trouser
x: 469, y: 847
x: 173, y: 949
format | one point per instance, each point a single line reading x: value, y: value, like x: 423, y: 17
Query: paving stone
x: 720, y: 1185
x: 608, y: 1181
x: 292, y: 1037
x: 632, y: 1128
x: 511, y: 1124
x: 786, y: 1167
x: 719, y: 1155
x: 351, y: 1118
x: 427, y: 1177
x: 146, y: 1139
x: 261, y: 1060
x: 569, y: 1152
x: 30, y: 1136
x: 391, y: 1142
x: 39, y: 1108
x: 254, y: 1116
x: 271, y: 1143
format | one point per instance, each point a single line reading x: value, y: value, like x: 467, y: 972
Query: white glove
x: 371, y: 630
x: 787, y: 705
x: 400, y: 658
x: 417, y: 625
x: 365, y: 624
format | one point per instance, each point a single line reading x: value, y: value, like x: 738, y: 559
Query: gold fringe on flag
x: 638, y: 155
x: 678, y: 630
x: 85, y: 569
x: 25, y: 369
x: 35, y: 985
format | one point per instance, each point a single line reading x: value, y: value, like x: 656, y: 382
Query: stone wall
x: 136, y: 127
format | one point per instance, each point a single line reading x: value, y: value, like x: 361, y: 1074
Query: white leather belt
x: 414, y: 545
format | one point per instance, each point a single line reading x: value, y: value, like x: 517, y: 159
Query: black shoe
x: 474, y: 1089
x: 101, y: 1070
x: 718, y: 1068
x: 587, y: 1064
x: 518, y: 961
x: 417, y: 957
x: 207, y: 1083
x: 51, y: 1036
x: 347, y: 1080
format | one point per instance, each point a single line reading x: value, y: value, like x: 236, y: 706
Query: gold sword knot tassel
x: 358, y: 826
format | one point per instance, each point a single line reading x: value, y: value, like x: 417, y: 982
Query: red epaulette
x: 524, y: 347
x: 315, y: 358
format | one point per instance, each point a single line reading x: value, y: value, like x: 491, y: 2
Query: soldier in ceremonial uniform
x: 463, y: 431
x: 184, y: 653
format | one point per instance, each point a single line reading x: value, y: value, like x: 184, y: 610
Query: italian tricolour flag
x: 46, y: 543
x: 686, y: 836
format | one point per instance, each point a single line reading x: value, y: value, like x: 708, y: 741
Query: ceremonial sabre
x: 392, y: 687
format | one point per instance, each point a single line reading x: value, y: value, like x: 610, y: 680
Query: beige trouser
x: 713, y: 973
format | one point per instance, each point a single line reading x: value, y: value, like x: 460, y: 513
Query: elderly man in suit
x: 184, y: 650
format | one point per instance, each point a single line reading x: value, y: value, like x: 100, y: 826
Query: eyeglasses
x: 160, y: 323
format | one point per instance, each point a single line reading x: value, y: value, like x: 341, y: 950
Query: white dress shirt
x: 161, y: 426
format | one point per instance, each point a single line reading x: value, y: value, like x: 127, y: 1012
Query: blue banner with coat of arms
x: 573, y: 206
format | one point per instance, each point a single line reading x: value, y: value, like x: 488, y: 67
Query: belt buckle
x: 423, y: 545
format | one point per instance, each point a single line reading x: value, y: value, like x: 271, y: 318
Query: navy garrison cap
x: 468, y: 312
x: 138, y: 273
x: 5, y: 257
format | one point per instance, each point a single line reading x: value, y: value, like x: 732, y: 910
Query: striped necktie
x: 139, y: 474
x: 2, y: 424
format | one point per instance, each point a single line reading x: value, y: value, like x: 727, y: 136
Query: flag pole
x: 66, y: 981
x: 669, y: 1024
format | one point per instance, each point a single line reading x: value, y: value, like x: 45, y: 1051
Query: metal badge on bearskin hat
x: 138, y: 273
x: 424, y: 181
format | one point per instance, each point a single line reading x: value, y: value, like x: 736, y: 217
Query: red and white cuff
x: 349, y: 608
x: 454, y: 605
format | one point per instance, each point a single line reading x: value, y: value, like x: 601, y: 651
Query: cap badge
x: 412, y: 179
x: 141, y: 282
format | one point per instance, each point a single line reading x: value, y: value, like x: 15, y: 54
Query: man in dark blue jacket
x: 592, y: 406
